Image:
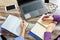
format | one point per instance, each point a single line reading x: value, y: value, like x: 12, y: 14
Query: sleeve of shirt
x: 0, y: 38
x: 58, y: 38
x: 19, y: 38
x: 47, y: 36
x: 56, y: 18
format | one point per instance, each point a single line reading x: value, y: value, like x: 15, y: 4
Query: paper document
x: 12, y: 24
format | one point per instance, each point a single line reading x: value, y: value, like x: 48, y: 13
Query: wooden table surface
x: 17, y: 13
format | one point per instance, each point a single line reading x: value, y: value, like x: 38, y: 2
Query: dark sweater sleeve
x: 47, y: 36
x: 56, y: 18
x: 58, y: 38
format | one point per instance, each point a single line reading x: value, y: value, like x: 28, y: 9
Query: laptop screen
x: 20, y: 2
x: 32, y: 7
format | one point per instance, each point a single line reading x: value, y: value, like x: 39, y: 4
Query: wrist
x: 23, y: 32
x: 48, y: 31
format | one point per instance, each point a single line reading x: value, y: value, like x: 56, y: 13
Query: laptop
x: 31, y: 8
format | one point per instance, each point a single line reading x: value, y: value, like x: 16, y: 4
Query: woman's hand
x: 23, y: 28
x: 23, y: 24
x: 47, y: 18
x: 51, y: 27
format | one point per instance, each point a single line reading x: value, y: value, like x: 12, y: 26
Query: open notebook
x: 12, y: 24
x: 38, y: 30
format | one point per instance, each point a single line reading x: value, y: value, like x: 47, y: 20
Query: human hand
x: 23, y: 24
x: 51, y: 27
x: 47, y: 18
x: 23, y: 27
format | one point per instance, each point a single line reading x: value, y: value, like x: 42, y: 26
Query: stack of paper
x: 12, y: 24
x: 38, y: 30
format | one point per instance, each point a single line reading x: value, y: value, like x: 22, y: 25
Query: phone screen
x: 10, y: 7
x: 46, y: 1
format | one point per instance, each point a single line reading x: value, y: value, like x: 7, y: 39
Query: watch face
x: 46, y: 1
x: 20, y: 2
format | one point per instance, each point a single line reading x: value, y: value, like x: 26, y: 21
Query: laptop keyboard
x: 32, y: 7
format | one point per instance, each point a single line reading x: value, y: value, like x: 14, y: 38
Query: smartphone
x: 46, y: 1
x: 10, y: 7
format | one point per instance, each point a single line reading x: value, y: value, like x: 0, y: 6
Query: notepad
x: 38, y: 30
x: 12, y: 24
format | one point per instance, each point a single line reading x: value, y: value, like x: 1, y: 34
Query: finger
x: 52, y: 25
x: 24, y: 22
x: 55, y: 22
x: 45, y: 17
x: 48, y: 18
x: 21, y: 22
